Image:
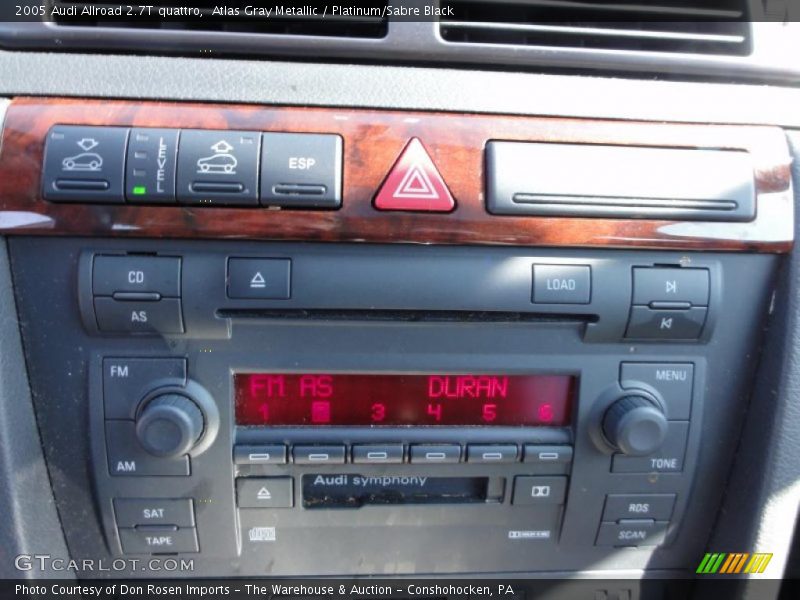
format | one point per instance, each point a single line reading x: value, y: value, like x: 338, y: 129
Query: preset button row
x: 555, y: 457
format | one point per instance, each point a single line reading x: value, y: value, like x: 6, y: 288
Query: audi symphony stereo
x: 298, y: 409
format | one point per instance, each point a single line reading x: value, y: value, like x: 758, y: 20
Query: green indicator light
x: 139, y: 190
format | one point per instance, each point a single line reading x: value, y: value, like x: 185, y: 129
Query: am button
x: 562, y: 284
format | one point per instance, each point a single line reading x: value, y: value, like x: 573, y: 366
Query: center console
x: 313, y: 351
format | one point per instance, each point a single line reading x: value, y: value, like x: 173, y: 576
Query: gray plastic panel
x: 382, y: 86
x: 30, y: 523
x: 63, y: 357
x: 420, y: 41
x: 621, y: 182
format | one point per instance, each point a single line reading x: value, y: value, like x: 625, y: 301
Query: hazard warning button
x: 414, y: 184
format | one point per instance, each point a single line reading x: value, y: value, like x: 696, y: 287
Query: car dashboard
x: 400, y: 300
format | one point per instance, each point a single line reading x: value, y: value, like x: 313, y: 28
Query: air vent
x: 686, y: 26
x: 286, y: 18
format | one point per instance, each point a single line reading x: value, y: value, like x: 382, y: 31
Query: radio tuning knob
x: 635, y: 425
x: 169, y: 425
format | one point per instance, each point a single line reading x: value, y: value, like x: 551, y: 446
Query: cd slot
x: 316, y: 314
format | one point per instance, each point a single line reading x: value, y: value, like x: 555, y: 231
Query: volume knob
x: 169, y: 425
x: 635, y: 425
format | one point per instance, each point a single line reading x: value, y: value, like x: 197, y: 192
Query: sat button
x: 131, y: 512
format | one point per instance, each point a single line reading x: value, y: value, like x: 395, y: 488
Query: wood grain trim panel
x: 372, y: 143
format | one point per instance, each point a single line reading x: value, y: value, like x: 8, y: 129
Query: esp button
x: 301, y: 170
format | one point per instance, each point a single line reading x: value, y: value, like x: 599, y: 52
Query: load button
x: 562, y: 284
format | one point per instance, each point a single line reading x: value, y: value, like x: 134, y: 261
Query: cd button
x: 159, y: 274
x: 378, y: 453
x: 491, y: 453
x: 318, y: 455
x: 435, y: 453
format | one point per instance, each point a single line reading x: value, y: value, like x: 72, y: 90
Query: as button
x: 163, y: 316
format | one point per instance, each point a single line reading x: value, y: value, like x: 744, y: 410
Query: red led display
x: 320, y: 399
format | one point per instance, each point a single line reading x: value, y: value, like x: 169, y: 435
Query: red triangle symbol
x: 414, y: 183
